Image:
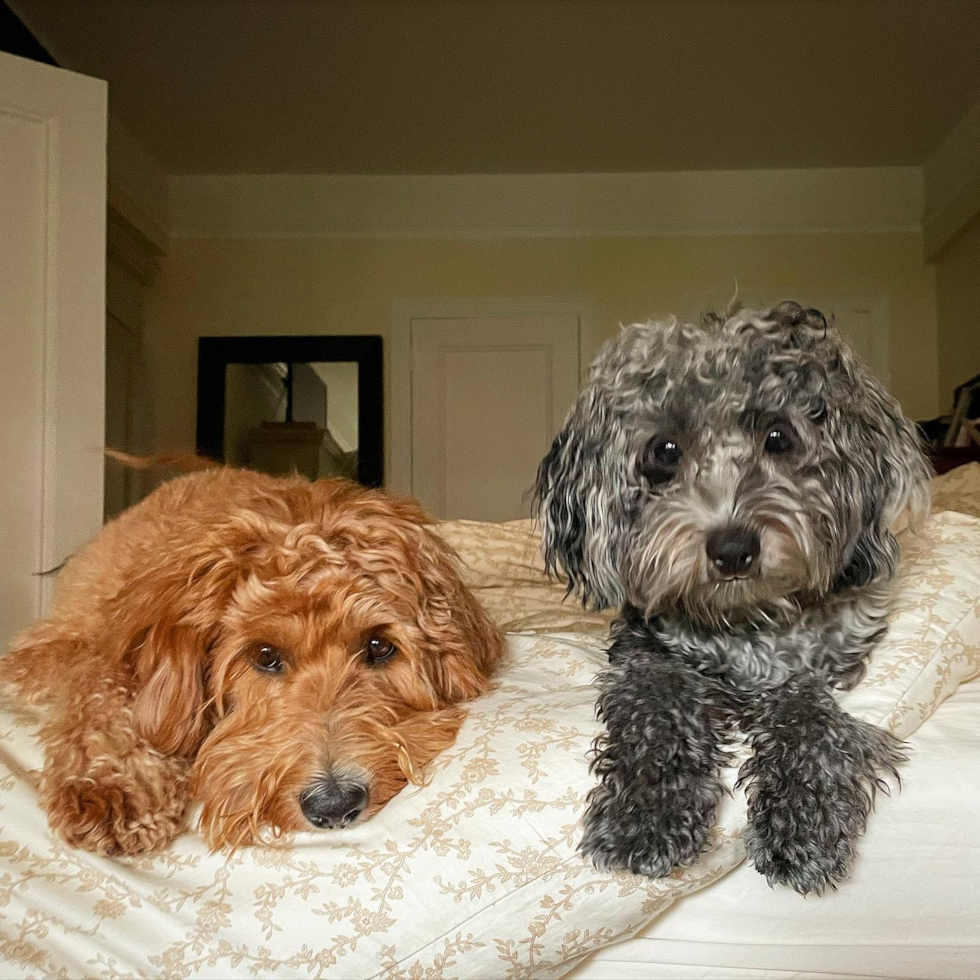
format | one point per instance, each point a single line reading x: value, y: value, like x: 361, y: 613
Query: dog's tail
x: 185, y: 462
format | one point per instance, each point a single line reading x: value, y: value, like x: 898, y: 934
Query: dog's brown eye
x: 661, y: 459
x: 268, y: 659
x: 378, y: 650
x: 779, y: 440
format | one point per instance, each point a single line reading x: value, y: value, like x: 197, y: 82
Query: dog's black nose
x: 333, y: 803
x: 733, y: 551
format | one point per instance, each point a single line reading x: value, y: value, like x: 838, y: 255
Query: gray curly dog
x: 730, y: 486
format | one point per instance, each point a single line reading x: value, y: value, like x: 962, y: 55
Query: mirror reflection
x: 286, y: 416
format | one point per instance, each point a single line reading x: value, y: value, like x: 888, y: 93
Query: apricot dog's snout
x: 333, y: 803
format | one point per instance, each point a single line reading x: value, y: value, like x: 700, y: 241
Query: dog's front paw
x: 810, y: 799
x: 808, y: 851
x: 109, y: 818
x: 621, y: 837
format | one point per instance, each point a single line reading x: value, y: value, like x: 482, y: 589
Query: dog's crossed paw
x: 811, y: 796
x: 108, y: 819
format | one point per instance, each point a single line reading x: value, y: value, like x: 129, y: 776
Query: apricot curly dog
x: 288, y: 653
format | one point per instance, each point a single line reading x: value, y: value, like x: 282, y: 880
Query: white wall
x: 347, y: 286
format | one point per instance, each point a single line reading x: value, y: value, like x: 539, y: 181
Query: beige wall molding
x: 546, y: 205
x: 138, y: 186
x: 952, y: 184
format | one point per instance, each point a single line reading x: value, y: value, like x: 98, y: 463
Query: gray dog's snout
x: 333, y: 803
x: 733, y: 551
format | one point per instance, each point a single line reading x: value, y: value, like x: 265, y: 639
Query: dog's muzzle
x: 332, y: 803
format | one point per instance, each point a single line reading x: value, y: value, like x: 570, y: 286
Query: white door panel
x: 52, y: 325
x: 488, y: 395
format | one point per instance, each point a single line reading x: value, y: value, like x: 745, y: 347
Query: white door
x: 488, y: 394
x: 52, y: 325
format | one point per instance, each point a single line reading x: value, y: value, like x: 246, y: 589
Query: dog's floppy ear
x: 886, y: 471
x: 583, y: 496
x: 164, y: 624
x: 468, y: 644
x: 883, y: 469
x: 170, y: 667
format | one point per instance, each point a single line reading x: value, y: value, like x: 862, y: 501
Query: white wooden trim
x: 72, y: 109
x: 952, y: 183
x: 546, y: 205
x: 398, y: 366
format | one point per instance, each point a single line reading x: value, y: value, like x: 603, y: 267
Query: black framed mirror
x: 278, y: 404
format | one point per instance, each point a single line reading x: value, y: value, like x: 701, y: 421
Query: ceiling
x: 523, y: 86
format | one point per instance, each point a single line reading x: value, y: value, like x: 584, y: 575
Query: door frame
x: 399, y: 361
x: 70, y: 111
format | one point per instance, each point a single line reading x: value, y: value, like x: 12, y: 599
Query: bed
x: 476, y: 873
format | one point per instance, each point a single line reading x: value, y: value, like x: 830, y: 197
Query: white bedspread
x: 476, y: 874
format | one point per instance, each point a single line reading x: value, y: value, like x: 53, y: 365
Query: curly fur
x: 147, y: 665
x: 774, y: 429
